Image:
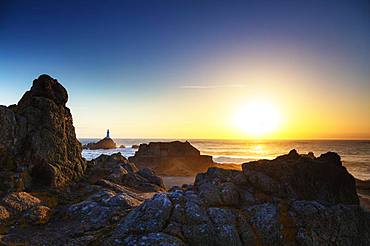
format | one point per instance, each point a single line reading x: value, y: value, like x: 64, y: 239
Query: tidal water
x: 355, y: 154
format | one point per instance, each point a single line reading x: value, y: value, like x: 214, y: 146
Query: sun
x: 257, y: 118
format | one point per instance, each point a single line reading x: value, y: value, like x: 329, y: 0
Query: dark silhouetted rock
x: 172, y: 158
x: 135, y: 146
x: 301, y: 177
x: 37, y: 139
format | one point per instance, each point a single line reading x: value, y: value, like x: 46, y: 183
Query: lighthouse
x: 107, y: 134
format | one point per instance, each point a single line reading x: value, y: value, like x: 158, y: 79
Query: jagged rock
x: 338, y: 223
x: 260, y: 205
x: 20, y: 201
x: 118, y: 169
x: 135, y: 146
x: 300, y: 177
x: 101, y: 208
x: 172, y: 158
x: 105, y: 143
x: 221, y: 187
x: 151, y: 217
x: 38, y: 215
x: 144, y: 180
x: 4, y: 214
x: 251, y: 211
x: 152, y: 239
x: 264, y: 218
x: 38, y: 144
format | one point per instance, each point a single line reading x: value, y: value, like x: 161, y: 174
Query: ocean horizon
x: 355, y: 154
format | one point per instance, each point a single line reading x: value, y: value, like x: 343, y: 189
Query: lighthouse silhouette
x: 107, y: 134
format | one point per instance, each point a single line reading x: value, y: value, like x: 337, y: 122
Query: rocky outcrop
x: 118, y: 169
x: 297, y: 176
x: 135, y: 146
x: 172, y: 158
x: 265, y: 204
x: 38, y: 144
x: 22, y: 207
x: 87, y: 211
x: 105, y: 143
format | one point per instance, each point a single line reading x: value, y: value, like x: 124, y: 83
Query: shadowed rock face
x: 304, y: 177
x: 265, y: 204
x: 37, y: 139
x: 172, y: 158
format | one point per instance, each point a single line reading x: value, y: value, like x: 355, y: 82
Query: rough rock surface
x: 21, y: 208
x: 262, y: 205
x: 105, y: 143
x: 38, y: 144
x: 86, y: 212
x: 172, y: 158
x: 119, y: 170
x: 304, y: 177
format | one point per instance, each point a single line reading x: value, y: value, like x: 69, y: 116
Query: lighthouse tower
x: 107, y: 134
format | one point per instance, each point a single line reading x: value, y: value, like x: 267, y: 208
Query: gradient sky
x: 181, y: 69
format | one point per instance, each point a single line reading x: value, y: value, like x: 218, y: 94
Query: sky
x: 186, y: 69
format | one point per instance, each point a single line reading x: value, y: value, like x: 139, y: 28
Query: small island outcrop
x: 105, y: 143
x: 172, y: 158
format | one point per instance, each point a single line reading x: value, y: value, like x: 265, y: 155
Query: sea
x: 355, y: 154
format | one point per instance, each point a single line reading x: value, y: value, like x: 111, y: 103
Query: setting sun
x: 257, y: 118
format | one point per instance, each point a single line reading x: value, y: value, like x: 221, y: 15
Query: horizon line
x: 243, y: 139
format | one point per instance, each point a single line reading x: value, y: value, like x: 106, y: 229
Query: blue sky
x: 118, y: 57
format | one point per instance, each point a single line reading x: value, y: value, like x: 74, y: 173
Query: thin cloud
x: 211, y: 86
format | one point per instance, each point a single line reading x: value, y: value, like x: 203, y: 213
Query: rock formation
x: 105, y: 143
x: 223, y: 207
x: 38, y: 144
x: 265, y: 204
x: 118, y: 169
x: 135, y: 146
x: 172, y: 158
x: 110, y: 188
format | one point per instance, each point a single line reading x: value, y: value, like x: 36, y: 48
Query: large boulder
x: 38, y: 144
x: 304, y: 177
x: 172, y: 158
x: 119, y: 170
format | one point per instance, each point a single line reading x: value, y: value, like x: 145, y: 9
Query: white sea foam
x: 92, y: 154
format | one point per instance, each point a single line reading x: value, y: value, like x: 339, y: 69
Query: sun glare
x: 257, y: 118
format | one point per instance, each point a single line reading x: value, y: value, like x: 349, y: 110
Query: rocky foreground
x: 51, y: 196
